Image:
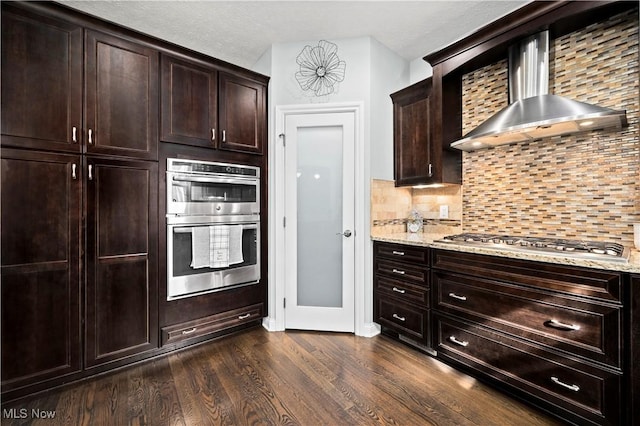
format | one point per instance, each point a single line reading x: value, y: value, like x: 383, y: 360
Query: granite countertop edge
x: 430, y: 240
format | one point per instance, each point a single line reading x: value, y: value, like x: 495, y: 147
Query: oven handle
x: 187, y: 229
x: 204, y: 179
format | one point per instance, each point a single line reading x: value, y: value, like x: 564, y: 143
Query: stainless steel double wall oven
x: 213, y: 226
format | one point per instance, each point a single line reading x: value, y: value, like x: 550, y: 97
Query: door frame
x: 337, y: 318
x: 276, y: 293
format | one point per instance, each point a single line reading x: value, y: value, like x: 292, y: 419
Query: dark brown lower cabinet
x: 41, y: 210
x: 43, y: 253
x: 553, y: 335
x: 401, y: 292
x: 121, y: 291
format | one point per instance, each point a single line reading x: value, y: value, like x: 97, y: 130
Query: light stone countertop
x: 428, y: 240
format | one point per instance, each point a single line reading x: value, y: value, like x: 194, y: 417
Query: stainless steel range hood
x: 532, y: 112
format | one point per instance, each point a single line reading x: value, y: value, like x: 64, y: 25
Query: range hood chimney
x: 532, y: 112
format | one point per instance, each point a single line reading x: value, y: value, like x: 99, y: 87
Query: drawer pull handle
x: 193, y: 330
x: 398, y: 253
x: 458, y: 342
x: 557, y: 381
x: 399, y: 290
x: 562, y: 326
x: 398, y: 317
x: 245, y: 316
x: 455, y: 296
x: 399, y: 272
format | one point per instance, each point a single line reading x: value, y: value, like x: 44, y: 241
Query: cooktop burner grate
x: 568, y: 248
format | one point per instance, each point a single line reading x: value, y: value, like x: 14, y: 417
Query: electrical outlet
x: 444, y: 212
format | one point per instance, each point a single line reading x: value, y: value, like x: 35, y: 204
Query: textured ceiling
x: 241, y: 31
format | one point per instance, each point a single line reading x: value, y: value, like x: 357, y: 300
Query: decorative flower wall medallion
x: 320, y: 68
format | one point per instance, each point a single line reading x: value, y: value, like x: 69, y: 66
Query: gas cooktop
x: 594, y: 250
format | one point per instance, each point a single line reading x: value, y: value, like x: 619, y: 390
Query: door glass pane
x: 319, y: 183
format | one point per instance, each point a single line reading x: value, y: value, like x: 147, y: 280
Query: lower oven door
x: 207, y: 257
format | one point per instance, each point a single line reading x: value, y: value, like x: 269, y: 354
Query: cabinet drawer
x: 402, y: 271
x: 401, y: 290
x: 569, y: 324
x: 211, y: 324
x: 401, y: 252
x: 402, y: 318
x: 591, y: 393
x: 605, y: 285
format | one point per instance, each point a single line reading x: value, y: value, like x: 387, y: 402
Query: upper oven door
x: 194, y: 194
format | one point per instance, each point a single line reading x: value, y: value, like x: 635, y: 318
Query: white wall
x: 389, y: 73
x: 419, y: 70
x: 372, y: 73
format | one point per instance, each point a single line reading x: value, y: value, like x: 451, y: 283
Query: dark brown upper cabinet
x: 41, y: 82
x: 419, y: 157
x: 41, y: 199
x: 413, y: 159
x: 242, y: 114
x: 43, y: 96
x: 189, y: 103
x: 121, y: 95
x: 203, y: 107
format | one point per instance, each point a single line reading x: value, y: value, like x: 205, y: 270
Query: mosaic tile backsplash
x: 390, y: 207
x: 584, y: 186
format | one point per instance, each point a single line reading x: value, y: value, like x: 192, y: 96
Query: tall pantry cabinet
x: 79, y: 196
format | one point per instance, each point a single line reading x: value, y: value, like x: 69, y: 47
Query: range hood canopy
x: 532, y: 112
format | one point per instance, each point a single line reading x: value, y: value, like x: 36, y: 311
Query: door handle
x: 346, y: 233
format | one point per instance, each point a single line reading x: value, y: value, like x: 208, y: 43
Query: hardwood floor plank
x: 291, y: 374
x: 164, y: 405
x: 368, y: 386
x: 292, y: 378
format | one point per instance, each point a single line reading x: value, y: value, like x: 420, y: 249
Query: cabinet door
x: 41, y: 194
x: 41, y: 82
x: 122, y: 232
x: 189, y: 97
x: 242, y: 114
x: 413, y: 163
x: 121, y: 109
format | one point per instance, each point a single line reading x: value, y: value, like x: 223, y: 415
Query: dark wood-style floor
x: 293, y: 377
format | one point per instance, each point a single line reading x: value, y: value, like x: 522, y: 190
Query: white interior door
x: 319, y: 232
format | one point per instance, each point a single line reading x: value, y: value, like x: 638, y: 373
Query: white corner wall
x: 419, y: 70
